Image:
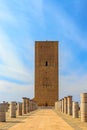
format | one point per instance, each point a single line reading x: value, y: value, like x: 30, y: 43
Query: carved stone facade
x: 46, y: 72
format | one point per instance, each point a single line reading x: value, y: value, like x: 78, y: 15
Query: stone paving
x: 13, y: 121
x: 45, y: 119
x: 73, y: 122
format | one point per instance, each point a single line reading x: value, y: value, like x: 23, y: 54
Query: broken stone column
x: 13, y: 109
x: 24, y: 105
x: 69, y: 105
x: 36, y: 106
x: 83, y: 107
x: 65, y: 105
x: 19, y: 109
x: 30, y: 105
x: 75, y: 110
x: 33, y: 105
x: 56, y: 105
x: 6, y: 106
x: 61, y: 105
x: 27, y: 105
x: 2, y: 113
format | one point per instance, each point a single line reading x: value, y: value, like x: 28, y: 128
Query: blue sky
x: 22, y: 22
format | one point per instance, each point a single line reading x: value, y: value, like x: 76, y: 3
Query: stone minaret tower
x: 46, y: 73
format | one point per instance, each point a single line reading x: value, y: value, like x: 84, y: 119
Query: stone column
x: 61, y: 105
x: 2, y: 113
x: 24, y: 105
x: 27, y: 105
x: 13, y: 109
x: 75, y: 110
x: 69, y: 105
x: 56, y: 105
x: 19, y: 109
x: 33, y: 105
x: 65, y: 105
x: 6, y: 105
x: 30, y: 105
x: 83, y: 107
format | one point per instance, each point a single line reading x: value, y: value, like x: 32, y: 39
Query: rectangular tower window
x: 46, y: 63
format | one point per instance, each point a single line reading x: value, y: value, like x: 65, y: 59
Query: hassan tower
x: 46, y: 73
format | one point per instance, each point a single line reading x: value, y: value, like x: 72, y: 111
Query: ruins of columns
x: 58, y: 105
x: 24, y: 105
x: 67, y: 106
x: 63, y: 105
x: 83, y: 107
x: 14, y: 109
x: 72, y: 108
x: 2, y: 112
x: 75, y: 109
x: 19, y: 109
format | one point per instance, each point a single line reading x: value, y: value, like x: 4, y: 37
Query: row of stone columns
x: 22, y: 108
x: 67, y: 106
x: 16, y: 109
x: 28, y: 105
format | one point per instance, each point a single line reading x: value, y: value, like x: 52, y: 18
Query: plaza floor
x: 43, y: 119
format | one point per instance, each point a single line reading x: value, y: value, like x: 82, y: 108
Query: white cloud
x: 73, y: 84
x: 12, y: 73
x: 65, y: 57
x: 12, y: 65
x: 13, y: 91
